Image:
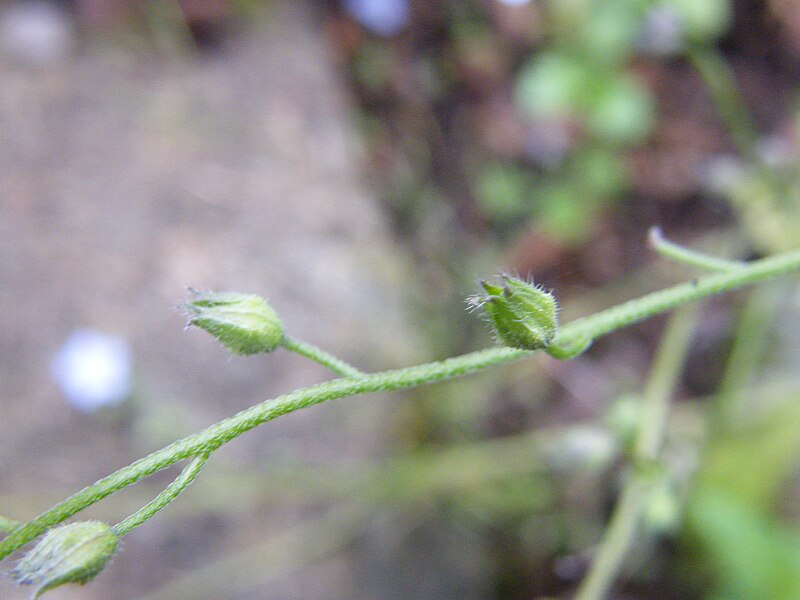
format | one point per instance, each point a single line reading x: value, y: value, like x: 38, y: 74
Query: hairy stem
x: 215, y: 436
x: 633, y: 311
x: 318, y: 355
x: 633, y: 498
x: 171, y: 492
x: 684, y: 255
x: 572, y: 337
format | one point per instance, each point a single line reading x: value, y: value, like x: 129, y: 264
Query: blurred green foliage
x: 579, y: 84
x: 582, y: 77
x: 575, y: 82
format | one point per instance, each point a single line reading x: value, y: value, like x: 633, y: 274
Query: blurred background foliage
x: 545, y: 138
x: 554, y: 132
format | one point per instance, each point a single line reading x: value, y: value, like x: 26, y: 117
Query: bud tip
x: 244, y: 323
x: 522, y: 314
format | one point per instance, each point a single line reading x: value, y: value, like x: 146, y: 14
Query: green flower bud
x: 73, y: 553
x: 662, y: 510
x: 244, y: 323
x: 523, y: 315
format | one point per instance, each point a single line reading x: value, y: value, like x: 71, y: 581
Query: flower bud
x: 244, y: 323
x: 523, y: 315
x: 73, y: 553
x: 662, y: 509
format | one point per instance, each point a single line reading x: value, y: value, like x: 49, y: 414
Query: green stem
x: 215, y: 436
x: 619, y: 533
x: 633, y: 311
x: 684, y: 255
x: 633, y: 498
x: 169, y: 494
x: 758, y: 200
x: 8, y: 525
x: 572, y: 336
x: 318, y: 355
x: 661, y: 383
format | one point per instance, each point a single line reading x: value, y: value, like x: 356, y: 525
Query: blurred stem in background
x: 749, y: 343
x: 765, y: 198
x: 246, y: 569
x: 622, y: 528
x: 721, y: 84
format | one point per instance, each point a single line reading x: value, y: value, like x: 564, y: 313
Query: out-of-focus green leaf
x: 753, y: 464
x: 612, y: 31
x: 564, y: 212
x: 503, y: 191
x: 621, y: 111
x: 599, y: 170
x: 752, y: 557
x: 553, y: 84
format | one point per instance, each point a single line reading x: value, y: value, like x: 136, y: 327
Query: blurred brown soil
x: 124, y: 180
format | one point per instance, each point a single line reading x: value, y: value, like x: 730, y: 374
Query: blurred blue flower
x: 93, y: 369
x: 37, y: 32
x: 663, y: 31
x: 383, y: 17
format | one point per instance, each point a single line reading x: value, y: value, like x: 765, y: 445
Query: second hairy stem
x: 213, y: 437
